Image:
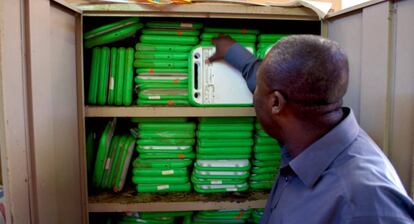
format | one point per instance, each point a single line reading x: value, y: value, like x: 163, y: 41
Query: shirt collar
x: 313, y: 161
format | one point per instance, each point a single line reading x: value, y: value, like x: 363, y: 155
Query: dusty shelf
x: 107, y: 111
x: 131, y: 201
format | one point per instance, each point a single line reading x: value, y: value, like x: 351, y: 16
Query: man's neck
x: 301, y: 135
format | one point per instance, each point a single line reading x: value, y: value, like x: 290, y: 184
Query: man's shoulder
x: 370, y: 183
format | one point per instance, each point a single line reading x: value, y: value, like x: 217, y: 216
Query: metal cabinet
x: 42, y: 110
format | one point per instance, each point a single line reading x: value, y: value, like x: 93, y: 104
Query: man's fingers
x: 213, y: 58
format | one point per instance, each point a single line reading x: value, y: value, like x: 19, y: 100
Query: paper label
x: 163, y: 187
x: 187, y: 25
x: 108, y: 164
x: 167, y: 172
x: 154, y: 97
x: 111, y: 83
x: 216, y: 182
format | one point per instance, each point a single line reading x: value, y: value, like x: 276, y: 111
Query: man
x: 331, y: 172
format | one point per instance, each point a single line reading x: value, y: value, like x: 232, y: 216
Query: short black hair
x: 310, y: 71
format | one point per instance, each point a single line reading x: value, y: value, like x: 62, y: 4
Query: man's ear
x: 279, y: 102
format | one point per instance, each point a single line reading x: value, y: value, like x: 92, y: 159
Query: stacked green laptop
x: 112, y: 159
x: 265, y: 161
x: 165, y: 150
x: 266, y: 42
x: 112, y: 32
x: 111, y: 76
x: 223, y: 151
x: 257, y: 215
x: 222, y: 216
x: 183, y: 217
x: 245, y: 37
x: 161, y: 62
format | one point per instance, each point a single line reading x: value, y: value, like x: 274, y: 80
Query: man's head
x: 303, y: 78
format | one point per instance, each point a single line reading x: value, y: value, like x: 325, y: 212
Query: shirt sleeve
x: 244, y: 61
x: 378, y: 220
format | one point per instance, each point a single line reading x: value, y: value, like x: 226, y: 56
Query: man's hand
x: 222, y: 43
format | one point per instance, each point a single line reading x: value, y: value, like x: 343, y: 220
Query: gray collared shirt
x: 341, y: 178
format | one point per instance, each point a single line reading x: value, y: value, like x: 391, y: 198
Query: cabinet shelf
x: 135, y: 111
x: 199, y: 10
x: 129, y: 200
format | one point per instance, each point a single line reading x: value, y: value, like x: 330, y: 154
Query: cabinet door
x: 55, y: 111
x: 376, y: 37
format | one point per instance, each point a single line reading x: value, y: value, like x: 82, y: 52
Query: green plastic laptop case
x: 222, y: 165
x: 140, y: 71
x: 113, y: 71
x: 119, y: 76
x: 159, y: 126
x: 94, y: 75
x: 103, y: 147
x: 188, y: 155
x: 230, y: 30
x: 113, y: 35
x: 224, y: 134
x: 161, y: 163
x: 220, y: 188
x: 150, y: 55
x: 146, y: 172
x: 271, y: 38
x: 174, y: 40
x: 225, y: 143
x: 237, y: 37
x: 104, y: 65
x: 128, y: 78
x: 171, y: 32
x: 153, y: 188
x: 225, y: 127
x: 176, y: 25
x: 163, y: 48
x: 164, y: 94
x: 159, y: 119
x: 149, y: 63
x: 166, y: 134
x: 160, y: 179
